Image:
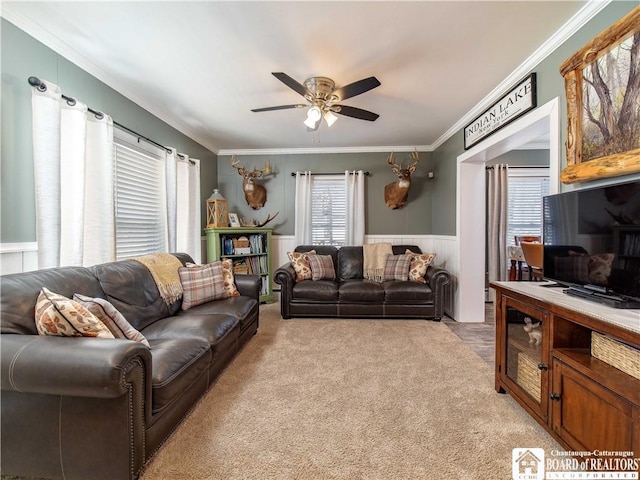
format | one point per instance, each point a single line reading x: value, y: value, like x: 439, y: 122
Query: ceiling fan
x: 323, y: 98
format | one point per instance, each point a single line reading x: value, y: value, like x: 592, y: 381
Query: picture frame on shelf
x: 234, y: 221
x: 603, y: 132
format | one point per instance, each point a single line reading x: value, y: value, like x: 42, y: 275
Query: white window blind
x: 526, y: 189
x: 328, y: 210
x: 140, y: 200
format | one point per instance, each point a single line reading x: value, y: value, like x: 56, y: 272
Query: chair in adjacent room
x: 527, y: 238
x: 533, y: 252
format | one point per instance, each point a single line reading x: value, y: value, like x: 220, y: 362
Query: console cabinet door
x: 523, y: 363
x: 588, y: 416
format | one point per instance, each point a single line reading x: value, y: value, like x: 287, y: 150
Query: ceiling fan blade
x: 356, y: 88
x: 291, y: 83
x: 356, y: 113
x: 279, y: 107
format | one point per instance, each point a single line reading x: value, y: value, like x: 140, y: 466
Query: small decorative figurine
x: 534, y: 331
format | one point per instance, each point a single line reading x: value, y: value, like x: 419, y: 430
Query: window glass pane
x: 525, y: 204
x: 328, y: 210
x: 140, y: 201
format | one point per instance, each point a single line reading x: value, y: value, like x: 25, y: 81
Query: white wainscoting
x: 445, y: 248
x: 18, y: 257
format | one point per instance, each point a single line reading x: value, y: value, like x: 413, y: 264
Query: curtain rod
x: 36, y: 82
x: 293, y: 174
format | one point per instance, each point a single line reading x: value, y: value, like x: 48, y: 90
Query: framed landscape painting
x: 602, y: 84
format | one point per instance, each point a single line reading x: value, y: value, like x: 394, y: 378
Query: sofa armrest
x: 285, y: 276
x: 71, y: 366
x: 437, y: 278
x: 248, y: 285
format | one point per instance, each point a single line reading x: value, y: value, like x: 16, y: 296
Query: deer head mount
x: 396, y: 193
x: 255, y: 194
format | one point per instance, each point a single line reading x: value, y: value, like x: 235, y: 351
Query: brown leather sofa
x: 90, y: 408
x: 351, y: 296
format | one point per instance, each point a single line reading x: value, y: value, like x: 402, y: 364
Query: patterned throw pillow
x: 201, y: 284
x: 229, y: 280
x: 111, y: 317
x: 60, y: 316
x: 322, y: 267
x: 300, y: 263
x: 397, y: 267
x: 419, y: 264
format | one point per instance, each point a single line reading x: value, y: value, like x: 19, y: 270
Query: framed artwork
x: 234, y: 221
x: 602, y: 85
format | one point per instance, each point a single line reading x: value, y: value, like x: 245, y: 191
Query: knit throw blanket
x: 164, y: 270
x: 375, y: 257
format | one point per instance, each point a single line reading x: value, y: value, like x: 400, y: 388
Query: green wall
x: 413, y: 218
x: 550, y: 84
x: 22, y: 57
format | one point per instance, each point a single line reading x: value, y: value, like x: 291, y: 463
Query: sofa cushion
x: 396, y: 267
x: 419, y: 264
x: 361, y: 291
x: 130, y: 288
x: 111, y: 317
x: 320, y: 290
x: 350, y: 263
x: 60, y: 316
x: 211, y: 327
x: 244, y: 308
x: 322, y: 267
x: 201, y: 284
x: 407, y: 292
x: 20, y: 293
x: 300, y: 264
x: 176, y: 364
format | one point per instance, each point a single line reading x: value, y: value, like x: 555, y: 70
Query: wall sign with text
x: 517, y: 102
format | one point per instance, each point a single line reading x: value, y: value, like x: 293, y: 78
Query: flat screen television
x: 591, y: 242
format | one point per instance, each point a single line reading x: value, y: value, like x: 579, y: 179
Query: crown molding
x: 61, y: 48
x: 311, y: 151
x: 586, y: 13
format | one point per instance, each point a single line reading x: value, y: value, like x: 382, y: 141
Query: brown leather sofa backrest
x: 19, y: 294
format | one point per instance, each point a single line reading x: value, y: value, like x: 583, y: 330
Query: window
x: 527, y: 186
x: 328, y: 210
x: 140, y: 198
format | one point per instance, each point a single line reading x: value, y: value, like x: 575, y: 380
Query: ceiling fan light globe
x: 330, y: 118
x: 311, y: 123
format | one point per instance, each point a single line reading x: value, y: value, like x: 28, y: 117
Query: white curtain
x: 73, y: 172
x: 497, y: 206
x: 171, y: 168
x: 354, y: 182
x: 187, y: 206
x: 303, y: 208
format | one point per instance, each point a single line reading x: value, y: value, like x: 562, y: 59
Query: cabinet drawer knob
x: 543, y: 366
x: 554, y: 396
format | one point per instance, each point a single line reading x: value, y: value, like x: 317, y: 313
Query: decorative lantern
x: 217, y: 214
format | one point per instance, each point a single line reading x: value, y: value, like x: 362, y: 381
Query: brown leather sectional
x: 90, y: 408
x: 351, y: 296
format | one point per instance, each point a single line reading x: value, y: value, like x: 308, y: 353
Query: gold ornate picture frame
x: 603, y: 108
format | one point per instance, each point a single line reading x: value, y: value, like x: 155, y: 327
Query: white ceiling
x: 202, y: 66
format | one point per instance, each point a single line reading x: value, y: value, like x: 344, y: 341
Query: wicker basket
x: 617, y: 354
x: 529, y: 375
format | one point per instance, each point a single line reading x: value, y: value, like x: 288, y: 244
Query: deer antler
x: 415, y: 157
x: 392, y: 161
x: 234, y: 163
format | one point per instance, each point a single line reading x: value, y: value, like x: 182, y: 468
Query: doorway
x: 470, y: 202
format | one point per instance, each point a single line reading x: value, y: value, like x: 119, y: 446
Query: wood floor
x: 480, y: 337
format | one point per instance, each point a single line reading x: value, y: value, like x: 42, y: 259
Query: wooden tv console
x: 583, y: 402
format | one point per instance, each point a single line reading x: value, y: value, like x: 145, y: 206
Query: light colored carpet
x: 350, y: 399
